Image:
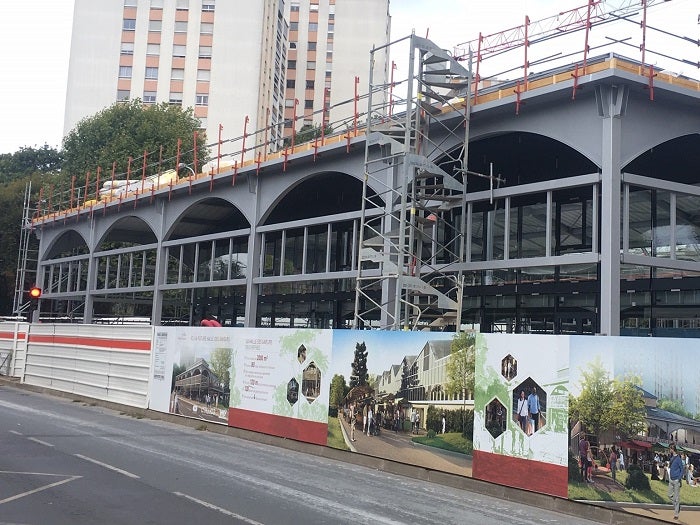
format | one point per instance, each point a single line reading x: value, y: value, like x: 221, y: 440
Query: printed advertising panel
x: 396, y: 393
x: 634, y: 396
x: 408, y: 397
x: 266, y: 380
x: 521, y: 411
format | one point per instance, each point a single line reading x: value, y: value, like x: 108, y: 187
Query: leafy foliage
x: 606, y: 404
x: 338, y: 391
x: 359, y: 366
x: 593, y: 406
x: 460, y: 366
x: 307, y: 133
x: 636, y: 479
x: 220, y: 362
x: 628, y: 415
x: 29, y: 161
x: 675, y: 406
x: 127, y: 129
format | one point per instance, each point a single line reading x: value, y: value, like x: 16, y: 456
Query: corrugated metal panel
x: 104, y: 362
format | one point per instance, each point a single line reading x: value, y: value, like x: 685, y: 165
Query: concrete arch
x: 70, y: 242
x: 682, y: 152
x: 127, y: 231
x: 317, y: 194
x: 205, y: 216
x: 520, y: 157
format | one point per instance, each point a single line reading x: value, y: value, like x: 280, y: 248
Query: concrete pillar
x: 612, y: 105
x: 255, y: 250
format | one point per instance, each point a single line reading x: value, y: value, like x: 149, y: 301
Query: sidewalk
x: 397, y: 446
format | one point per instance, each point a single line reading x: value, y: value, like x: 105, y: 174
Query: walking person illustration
x: 533, y: 406
x: 674, y: 484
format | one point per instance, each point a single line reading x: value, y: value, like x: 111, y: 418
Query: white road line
x: 107, y: 466
x: 35, y: 440
x: 16, y: 433
x: 45, y: 487
x: 219, y: 509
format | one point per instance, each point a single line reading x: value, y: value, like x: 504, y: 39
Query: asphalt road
x: 65, y: 462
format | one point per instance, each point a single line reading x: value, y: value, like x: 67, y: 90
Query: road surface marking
x: 219, y: 509
x: 35, y: 440
x: 39, y: 489
x: 16, y: 433
x: 106, y: 465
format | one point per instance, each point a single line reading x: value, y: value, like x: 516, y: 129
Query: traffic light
x: 34, y: 292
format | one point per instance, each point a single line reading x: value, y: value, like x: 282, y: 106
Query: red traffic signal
x: 35, y: 292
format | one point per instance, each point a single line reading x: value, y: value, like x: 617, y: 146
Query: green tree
x: 338, y: 390
x: 627, y: 412
x: 29, y: 161
x: 220, y: 362
x: 460, y: 369
x: 359, y: 366
x: 127, y: 129
x: 308, y: 132
x: 674, y: 406
x: 593, y: 406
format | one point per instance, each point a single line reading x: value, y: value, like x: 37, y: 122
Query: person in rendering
x: 522, y: 411
x: 674, y: 485
x: 621, y: 458
x: 369, y: 420
x: 533, y: 406
x: 364, y: 418
x: 612, y: 461
x: 590, y: 464
x: 583, y: 456
x: 352, y: 421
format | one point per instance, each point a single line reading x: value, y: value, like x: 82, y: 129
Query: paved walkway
x: 689, y: 515
x: 397, y: 446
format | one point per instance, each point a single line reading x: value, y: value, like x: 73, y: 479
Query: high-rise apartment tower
x: 225, y: 58
x: 228, y: 59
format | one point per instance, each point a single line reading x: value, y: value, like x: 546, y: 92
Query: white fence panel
x: 111, y: 363
x: 13, y: 348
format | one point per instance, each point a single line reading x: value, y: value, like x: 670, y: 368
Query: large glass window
x: 687, y: 228
x: 127, y: 48
x: 273, y: 254
x: 129, y: 24
x: 316, y: 249
x: 293, y: 251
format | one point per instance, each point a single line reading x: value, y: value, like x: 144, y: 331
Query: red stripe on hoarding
x: 119, y: 344
x: 11, y: 335
x: 536, y: 476
x: 289, y: 427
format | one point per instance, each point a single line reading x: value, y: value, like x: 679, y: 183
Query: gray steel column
x: 254, y: 251
x: 91, y: 276
x: 161, y: 271
x: 612, y: 104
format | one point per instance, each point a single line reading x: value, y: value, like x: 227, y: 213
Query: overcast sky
x: 35, y: 39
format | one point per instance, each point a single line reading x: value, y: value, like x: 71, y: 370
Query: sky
x: 33, y: 88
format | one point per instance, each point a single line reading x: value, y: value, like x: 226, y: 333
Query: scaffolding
x: 411, y: 227
x: 27, y: 257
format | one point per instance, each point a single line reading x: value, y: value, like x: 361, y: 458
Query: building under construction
x: 556, y: 195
